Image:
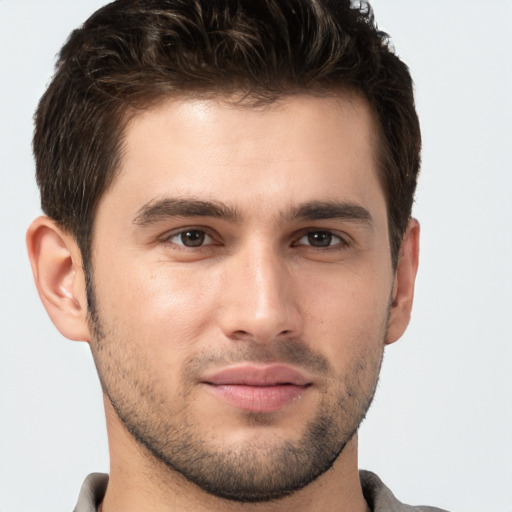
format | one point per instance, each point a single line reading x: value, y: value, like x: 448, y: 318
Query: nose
x: 260, y: 299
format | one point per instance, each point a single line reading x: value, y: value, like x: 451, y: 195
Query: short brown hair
x: 131, y: 53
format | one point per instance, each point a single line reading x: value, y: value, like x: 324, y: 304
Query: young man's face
x: 244, y: 288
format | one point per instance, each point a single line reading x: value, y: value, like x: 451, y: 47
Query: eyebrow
x: 161, y: 209
x: 324, y: 210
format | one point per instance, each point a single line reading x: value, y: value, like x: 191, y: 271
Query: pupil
x: 193, y: 238
x: 320, y: 238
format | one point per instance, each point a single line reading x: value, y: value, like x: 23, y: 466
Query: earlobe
x: 57, y: 268
x: 405, y: 277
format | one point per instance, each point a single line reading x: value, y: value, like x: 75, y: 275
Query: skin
x: 259, y: 289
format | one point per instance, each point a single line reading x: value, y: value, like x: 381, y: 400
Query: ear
x: 57, y: 267
x: 405, y: 277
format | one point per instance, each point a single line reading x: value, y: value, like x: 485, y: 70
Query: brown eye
x: 191, y: 238
x: 321, y: 239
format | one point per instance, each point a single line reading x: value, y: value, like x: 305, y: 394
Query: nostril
x: 241, y: 334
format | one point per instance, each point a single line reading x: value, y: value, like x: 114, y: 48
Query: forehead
x: 297, y: 149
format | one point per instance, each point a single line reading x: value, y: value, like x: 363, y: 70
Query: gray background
x: 440, y: 429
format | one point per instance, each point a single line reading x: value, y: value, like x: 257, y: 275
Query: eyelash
x: 203, y: 233
x: 168, y: 239
x: 341, y: 243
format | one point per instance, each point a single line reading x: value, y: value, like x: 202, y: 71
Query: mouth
x: 255, y: 388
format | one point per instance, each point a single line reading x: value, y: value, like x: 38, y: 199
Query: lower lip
x: 258, y: 398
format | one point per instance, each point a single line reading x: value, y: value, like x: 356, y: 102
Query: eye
x: 190, y: 238
x: 321, y: 239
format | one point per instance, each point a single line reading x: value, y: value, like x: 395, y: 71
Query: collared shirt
x: 376, y: 494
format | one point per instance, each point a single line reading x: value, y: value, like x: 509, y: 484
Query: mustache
x: 288, y: 351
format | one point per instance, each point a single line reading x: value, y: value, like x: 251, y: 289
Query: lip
x: 258, y: 388
x: 256, y: 375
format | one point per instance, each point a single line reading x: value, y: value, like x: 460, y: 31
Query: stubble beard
x: 259, y: 471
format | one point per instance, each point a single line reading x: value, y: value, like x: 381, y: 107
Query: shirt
x: 376, y: 494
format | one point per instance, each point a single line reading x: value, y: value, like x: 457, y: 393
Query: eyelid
x: 167, y: 237
x: 344, y: 239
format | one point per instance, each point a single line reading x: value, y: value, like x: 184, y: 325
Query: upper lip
x: 257, y: 375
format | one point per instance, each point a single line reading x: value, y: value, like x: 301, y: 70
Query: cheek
x: 348, y: 313
x: 166, y: 310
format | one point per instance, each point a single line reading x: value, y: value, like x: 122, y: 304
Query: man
x: 228, y: 190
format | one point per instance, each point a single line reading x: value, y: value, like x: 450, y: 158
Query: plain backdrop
x: 440, y: 429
